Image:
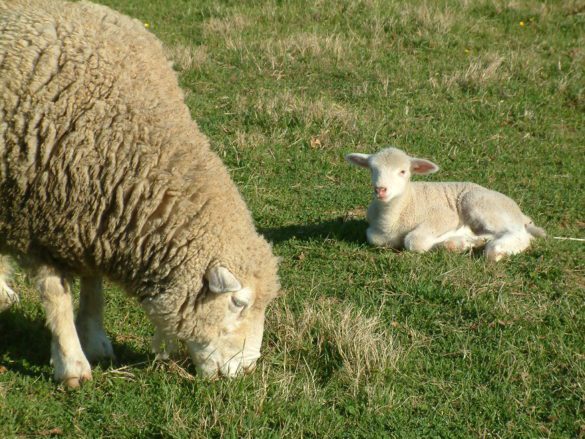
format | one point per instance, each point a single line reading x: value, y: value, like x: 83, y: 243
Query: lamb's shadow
x: 26, y: 342
x: 341, y: 229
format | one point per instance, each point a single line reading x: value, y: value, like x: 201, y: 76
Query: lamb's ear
x: 358, y: 159
x: 221, y: 280
x: 422, y: 166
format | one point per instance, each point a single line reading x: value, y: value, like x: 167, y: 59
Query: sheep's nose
x: 380, y: 191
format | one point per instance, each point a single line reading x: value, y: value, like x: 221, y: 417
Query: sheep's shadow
x: 341, y: 229
x: 25, y: 345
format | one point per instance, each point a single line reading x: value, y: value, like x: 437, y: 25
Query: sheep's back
x: 95, y: 140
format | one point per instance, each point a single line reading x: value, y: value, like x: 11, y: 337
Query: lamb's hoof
x: 454, y: 246
x: 494, y: 255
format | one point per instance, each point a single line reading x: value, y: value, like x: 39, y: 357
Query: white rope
x: 565, y: 238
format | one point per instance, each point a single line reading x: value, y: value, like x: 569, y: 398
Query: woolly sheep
x: 419, y: 216
x: 103, y: 173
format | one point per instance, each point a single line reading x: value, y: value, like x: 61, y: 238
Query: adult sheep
x: 104, y: 173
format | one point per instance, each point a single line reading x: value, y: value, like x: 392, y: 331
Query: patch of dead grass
x: 428, y: 16
x: 527, y: 6
x: 307, y: 44
x: 224, y: 26
x: 480, y: 72
x: 186, y: 57
x: 330, y: 335
x: 321, y: 117
x: 248, y: 139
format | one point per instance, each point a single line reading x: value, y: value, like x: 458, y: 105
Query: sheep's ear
x: 422, y: 167
x: 221, y: 280
x: 358, y: 159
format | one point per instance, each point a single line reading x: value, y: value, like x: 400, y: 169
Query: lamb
x: 103, y: 174
x: 419, y: 216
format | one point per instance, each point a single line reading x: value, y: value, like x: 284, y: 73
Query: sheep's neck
x: 393, y: 210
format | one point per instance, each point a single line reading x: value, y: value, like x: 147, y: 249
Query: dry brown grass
x: 225, y: 26
x: 339, y: 337
x: 531, y: 7
x: 306, y: 44
x: 429, y: 17
x: 248, y: 139
x: 480, y: 72
x: 321, y: 116
x: 186, y: 57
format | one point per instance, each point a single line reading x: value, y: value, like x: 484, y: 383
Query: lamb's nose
x: 380, y: 191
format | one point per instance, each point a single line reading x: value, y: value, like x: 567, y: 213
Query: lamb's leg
x: 7, y: 296
x: 506, y: 244
x: 90, y: 317
x: 71, y: 366
x: 428, y: 234
x: 461, y: 240
x: 380, y: 239
x: 494, y: 214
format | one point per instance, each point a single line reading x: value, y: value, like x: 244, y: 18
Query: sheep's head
x: 230, y: 322
x: 391, y: 169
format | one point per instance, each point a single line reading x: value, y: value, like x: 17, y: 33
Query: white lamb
x: 419, y: 216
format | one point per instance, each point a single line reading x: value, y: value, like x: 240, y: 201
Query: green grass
x: 364, y: 342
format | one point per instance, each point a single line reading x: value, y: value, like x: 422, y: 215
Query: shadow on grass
x: 25, y: 345
x: 341, y: 229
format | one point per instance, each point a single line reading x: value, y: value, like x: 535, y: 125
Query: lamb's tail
x: 534, y: 230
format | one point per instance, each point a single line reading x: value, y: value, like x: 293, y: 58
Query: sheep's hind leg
x: 495, y: 215
x: 506, y: 244
x: 96, y: 344
x: 71, y: 366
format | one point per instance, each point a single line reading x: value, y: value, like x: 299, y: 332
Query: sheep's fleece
x: 104, y: 173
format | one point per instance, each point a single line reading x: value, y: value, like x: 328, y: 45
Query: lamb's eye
x: 403, y: 172
x: 238, y: 303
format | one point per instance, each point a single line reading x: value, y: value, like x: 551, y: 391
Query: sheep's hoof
x: 454, y: 246
x: 74, y: 382
x: 494, y: 256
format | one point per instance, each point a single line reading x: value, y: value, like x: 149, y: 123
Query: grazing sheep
x: 103, y: 173
x: 419, y: 216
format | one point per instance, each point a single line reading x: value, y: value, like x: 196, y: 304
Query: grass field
x: 364, y: 342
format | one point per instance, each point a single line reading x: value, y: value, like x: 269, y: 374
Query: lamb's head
x: 391, y: 169
x: 230, y: 320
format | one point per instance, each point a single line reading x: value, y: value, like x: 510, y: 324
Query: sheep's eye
x: 238, y: 303
x: 403, y: 172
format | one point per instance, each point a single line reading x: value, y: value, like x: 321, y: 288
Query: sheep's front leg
x: 90, y: 318
x: 71, y: 366
x: 163, y: 346
x: 424, y: 237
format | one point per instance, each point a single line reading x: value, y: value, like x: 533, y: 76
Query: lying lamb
x: 103, y: 173
x: 458, y: 216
